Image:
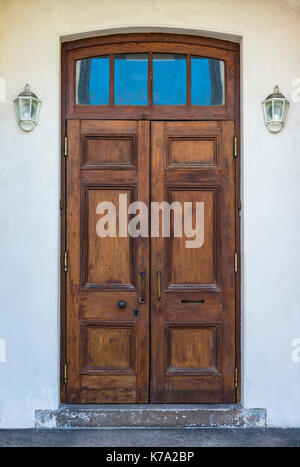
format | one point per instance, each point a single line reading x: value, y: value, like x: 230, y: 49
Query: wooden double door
x: 149, y: 319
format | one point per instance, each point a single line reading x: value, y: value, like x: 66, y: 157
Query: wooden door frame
x: 164, y: 38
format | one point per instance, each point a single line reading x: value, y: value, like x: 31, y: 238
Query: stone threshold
x: 151, y: 416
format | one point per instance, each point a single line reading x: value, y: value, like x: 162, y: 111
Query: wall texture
x: 30, y: 35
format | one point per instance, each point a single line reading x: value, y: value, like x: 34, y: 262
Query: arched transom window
x: 151, y: 76
x: 171, y: 77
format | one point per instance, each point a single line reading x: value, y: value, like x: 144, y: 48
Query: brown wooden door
x: 193, y: 325
x: 107, y: 346
x: 192, y: 354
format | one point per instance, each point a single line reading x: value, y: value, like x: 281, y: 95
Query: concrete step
x: 150, y: 415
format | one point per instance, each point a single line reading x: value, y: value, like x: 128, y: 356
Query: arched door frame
x: 158, y: 42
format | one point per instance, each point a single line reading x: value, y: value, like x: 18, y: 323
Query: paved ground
x: 179, y: 437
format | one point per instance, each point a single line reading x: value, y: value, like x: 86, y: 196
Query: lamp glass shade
x: 27, y: 107
x: 35, y: 110
x: 285, y: 110
x: 268, y: 111
x: 275, y: 109
x: 17, y: 107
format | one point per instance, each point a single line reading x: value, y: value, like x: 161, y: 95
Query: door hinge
x: 61, y: 203
x: 235, y: 262
x: 236, y: 378
x: 66, y: 261
x: 240, y: 209
x: 66, y: 146
x: 65, y: 373
x: 235, y: 147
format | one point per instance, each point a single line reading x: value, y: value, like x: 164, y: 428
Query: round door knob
x: 122, y: 304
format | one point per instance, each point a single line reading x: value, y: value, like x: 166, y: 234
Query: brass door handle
x: 158, y: 286
x: 142, y: 299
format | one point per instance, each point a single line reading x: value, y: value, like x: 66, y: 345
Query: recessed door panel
x: 192, y: 349
x: 108, y: 348
x: 193, y: 152
x: 108, y: 152
x: 199, y: 213
x: 110, y: 259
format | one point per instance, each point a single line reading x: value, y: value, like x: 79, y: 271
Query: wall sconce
x: 27, y: 107
x: 275, y: 109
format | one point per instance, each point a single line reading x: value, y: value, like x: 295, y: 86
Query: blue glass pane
x: 169, y: 79
x: 208, y: 81
x: 131, y: 79
x: 92, y: 81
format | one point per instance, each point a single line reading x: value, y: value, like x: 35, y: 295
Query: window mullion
x: 150, y: 79
x: 112, y: 80
x: 188, y: 81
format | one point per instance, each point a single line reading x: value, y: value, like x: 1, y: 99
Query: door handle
x: 142, y: 299
x: 158, y: 286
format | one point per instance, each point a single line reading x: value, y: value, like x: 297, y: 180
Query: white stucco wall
x: 30, y: 34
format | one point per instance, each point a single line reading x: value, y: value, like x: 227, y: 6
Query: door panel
x: 110, y: 261
x: 193, y: 325
x: 179, y: 258
x: 107, y: 347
